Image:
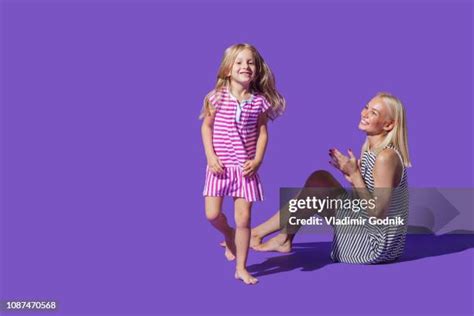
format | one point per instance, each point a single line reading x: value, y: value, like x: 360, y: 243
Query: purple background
x: 103, y: 167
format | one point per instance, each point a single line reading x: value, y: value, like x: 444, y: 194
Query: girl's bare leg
x: 213, y: 206
x: 242, y: 239
x: 283, y: 241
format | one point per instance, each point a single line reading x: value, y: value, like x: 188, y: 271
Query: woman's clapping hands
x: 348, y: 165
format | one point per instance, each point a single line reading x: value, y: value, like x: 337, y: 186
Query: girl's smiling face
x: 375, y: 118
x: 243, y: 70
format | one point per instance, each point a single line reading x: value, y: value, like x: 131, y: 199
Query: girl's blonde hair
x: 398, y: 135
x: 263, y: 84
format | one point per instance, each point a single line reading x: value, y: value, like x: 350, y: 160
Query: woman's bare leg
x: 283, y: 241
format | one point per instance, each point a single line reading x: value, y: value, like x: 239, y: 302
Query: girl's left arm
x: 251, y: 166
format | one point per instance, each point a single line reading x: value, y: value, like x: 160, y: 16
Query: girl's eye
x: 374, y: 113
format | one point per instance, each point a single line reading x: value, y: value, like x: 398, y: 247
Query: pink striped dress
x: 234, y: 139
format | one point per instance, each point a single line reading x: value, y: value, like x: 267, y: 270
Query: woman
x: 380, y: 175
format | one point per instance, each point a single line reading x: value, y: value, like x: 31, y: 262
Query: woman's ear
x: 389, y: 125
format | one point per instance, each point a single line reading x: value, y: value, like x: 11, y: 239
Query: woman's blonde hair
x: 398, y: 135
x: 263, y: 84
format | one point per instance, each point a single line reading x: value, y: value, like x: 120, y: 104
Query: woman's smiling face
x: 375, y: 117
x: 243, y: 69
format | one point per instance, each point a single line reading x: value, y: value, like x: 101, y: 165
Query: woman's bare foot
x: 279, y: 243
x: 255, y: 239
x: 245, y: 276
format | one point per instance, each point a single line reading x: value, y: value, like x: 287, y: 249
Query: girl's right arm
x: 215, y: 165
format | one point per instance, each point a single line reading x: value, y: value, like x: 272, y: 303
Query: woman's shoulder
x: 388, y: 155
x: 389, y: 158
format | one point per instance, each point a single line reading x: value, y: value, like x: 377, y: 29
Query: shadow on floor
x: 310, y: 256
x: 423, y: 246
x: 306, y: 256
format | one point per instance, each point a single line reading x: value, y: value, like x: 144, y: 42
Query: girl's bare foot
x: 228, y: 254
x: 279, y: 243
x: 245, y: 276
x: 229, y: 245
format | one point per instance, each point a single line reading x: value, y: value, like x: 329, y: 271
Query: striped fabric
x: 368, y: 244
x: 234, y: 139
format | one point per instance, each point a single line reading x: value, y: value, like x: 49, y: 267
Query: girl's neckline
x: 236, y: 99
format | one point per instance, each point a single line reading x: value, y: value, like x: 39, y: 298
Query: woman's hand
x: 215, y: 165
x: 348, y: 165
x: 348, y: 178
x: 250, y: 167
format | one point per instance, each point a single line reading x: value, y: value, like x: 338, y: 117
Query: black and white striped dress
x: 368, y: 244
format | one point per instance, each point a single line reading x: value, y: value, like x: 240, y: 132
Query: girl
x: 380, y: 173
x: 234, y: 133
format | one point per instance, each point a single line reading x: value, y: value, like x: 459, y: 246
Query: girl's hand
x: 250, y: 167
x: 215, y: 165
x: 348, y: 165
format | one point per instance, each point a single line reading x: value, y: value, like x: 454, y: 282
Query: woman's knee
x: 319, y: 178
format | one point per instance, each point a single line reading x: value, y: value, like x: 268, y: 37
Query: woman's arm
x: 387, y: 174
x: 251, y: 166
x: 213, y: 161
